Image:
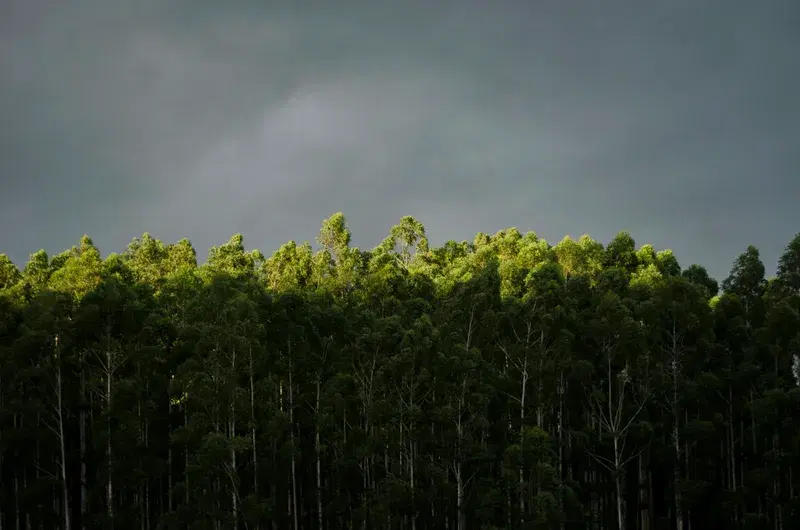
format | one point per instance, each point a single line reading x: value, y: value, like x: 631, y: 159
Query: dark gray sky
x: 676, y: 120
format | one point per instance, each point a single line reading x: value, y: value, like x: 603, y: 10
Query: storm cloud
x: 677, y: 121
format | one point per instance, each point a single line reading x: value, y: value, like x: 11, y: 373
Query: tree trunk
x: 186, y: 456
x: 62, y: 441
x: 459, y: 496
x: 170, y: 502
x: 412, y: 484
x: 676, y: 445
x: 147, y: 480
x: 83, y: 456
x: 521, y: 443
x: 25, y: 487
x: 291, y: 438
x: 109, y: 478
x: 732, y: 449
x: 561, y: 390
x: 319, y: 465
x: 644, y: 499
x: 677, y: 477
x: 17, y: 517
x: 232, y: 435
x: 620, y: 500
x: 253, y: 429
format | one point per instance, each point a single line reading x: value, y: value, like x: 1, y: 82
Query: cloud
x: 203, y: 118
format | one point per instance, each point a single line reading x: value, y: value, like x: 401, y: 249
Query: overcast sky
x: 677, y: 120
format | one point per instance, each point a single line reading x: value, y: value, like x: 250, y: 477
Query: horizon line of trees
x: 504, y: 383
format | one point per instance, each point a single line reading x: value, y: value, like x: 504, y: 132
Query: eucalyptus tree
x: 497, y: 383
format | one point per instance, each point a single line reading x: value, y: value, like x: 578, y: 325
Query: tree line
x: 504, y: 383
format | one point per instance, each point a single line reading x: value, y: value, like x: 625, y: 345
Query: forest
x: 503, y: 383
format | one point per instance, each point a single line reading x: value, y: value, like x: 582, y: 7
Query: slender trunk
x: 186, y: 456
x: 386, y: 470
x: 676, y: 445
x: 253, y: 428
x: 319, y: 465
x: 688, y: 517
x: 732, y: 449
x: 644, y: 504
x: 17, y: 518
x: 232, y: 434
x: 459, y: 496
x: 291, y: 438
x: 147, y: 480
x: 561, y: 447
x: 521, y: 444
x: 620, y: 500
x: 169, y: 478
x: 38, y: 459
x: 27, y: 512
x: 776, y: 482
x: 412, y: 484
x: 677, y: 477
x: 62, y: 441
x: 613, y: 421
x: 83, y: 457
x: 109, y: 479
x: 140, y: 492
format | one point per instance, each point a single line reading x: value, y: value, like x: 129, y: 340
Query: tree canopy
x: 499, y: 383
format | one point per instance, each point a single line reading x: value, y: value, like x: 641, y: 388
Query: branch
x: 611, y: 466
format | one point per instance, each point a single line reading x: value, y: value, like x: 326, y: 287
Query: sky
x: 675, y: 120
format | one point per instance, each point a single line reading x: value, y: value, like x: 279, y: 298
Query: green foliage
x: 503, y: 383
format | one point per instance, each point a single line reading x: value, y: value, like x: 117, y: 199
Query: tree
x: 497, y: 383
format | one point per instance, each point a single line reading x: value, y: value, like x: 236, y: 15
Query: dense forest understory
x: 504, y: 383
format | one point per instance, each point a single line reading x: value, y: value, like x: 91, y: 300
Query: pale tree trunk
x: 232, y: 434
x: 215, y: 488
x: 140, y: 489
x: 413, y: 486
x: 522, y: 442
x: 17, y: 517
x: 143, y: 439
x: 676, y: 442
x: 365, y: 375
x: 778, y: 516
x: 38, y: 458
x: 510, y: 430
x: 618, y: 486
x: 82, y: 435
x: 61, y: 440
x: 457, y: 464
x: 291, y: 438
x: 644, y: 499
x: 677, y: 478
x: 110, y: 481
x: 27, y: 512
x: 732, y: 449
x: 170, y: 502
x: 317, y: 448
x: 457, y: 469
x: 186, y: 456
x: 613, y: 422
x: 147, y: 481
x: 320, y: 373
x: 688, y: 517
x: 561, y: 390
x: 459, y: 496
x: 253, y: 429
